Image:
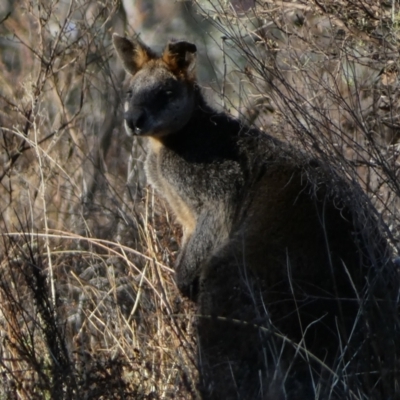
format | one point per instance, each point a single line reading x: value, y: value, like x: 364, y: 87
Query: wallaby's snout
x: 135, y: 121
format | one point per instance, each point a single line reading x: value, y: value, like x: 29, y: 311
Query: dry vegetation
x: 88, y: 306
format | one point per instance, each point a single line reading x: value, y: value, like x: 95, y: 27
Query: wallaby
x: 285, y: 258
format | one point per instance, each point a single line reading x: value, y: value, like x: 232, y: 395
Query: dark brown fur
x: 285, y: 258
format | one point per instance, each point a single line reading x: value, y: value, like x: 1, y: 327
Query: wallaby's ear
x: 180, y: 56
x: 133, y: 54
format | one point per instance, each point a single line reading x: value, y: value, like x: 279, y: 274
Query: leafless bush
x: 82, y: 314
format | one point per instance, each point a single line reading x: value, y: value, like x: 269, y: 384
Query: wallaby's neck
x: 203, y: 116
x: 201, y: 107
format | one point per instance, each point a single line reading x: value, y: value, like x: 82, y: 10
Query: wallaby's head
x: 160, y: 99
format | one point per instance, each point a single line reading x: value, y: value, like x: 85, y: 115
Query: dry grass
x: 113, y: 330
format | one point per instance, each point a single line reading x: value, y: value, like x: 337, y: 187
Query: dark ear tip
x: 192, y: 48
x: 182, y: 46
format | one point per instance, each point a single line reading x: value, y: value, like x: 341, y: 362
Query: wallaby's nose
x: 135, y: 121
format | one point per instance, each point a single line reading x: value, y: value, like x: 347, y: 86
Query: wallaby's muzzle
x: 135, y: 121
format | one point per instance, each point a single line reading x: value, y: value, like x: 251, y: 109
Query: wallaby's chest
x: 167, y: 178
x: 193, y: 182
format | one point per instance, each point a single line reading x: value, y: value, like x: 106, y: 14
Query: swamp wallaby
x: 285, y: 258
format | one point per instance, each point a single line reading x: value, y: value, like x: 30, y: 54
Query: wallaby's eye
x: 170, y: 94
x: 163, y: 96
x: 129, y: 94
